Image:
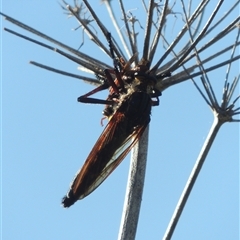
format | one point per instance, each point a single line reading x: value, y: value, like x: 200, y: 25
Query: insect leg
x: 85, y: 98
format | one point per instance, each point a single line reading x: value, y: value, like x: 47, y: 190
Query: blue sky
x: 47, y: 134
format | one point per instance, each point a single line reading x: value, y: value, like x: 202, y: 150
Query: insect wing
x: 93, y: 173
x: 117, y: 158
x: 126, y: 124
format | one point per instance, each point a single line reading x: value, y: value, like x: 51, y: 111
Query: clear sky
x: 47, y: 134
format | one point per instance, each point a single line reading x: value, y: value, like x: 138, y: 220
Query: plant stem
x: 217, y: 123
x: 133, y: 197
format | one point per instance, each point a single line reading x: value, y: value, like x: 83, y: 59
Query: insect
x: 128, y: 108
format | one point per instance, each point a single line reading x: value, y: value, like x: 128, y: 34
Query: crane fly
x: 128, y: 108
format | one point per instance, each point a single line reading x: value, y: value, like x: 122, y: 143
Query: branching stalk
x: 192, y: 178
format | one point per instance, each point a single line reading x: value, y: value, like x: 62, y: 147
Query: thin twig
x: 192, y: 178
x: 148, y: 30
x: 158, y: 32
x: 84, y: 78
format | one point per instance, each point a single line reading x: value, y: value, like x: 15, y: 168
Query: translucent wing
x: 120, y: 135
x: 116, y: 159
